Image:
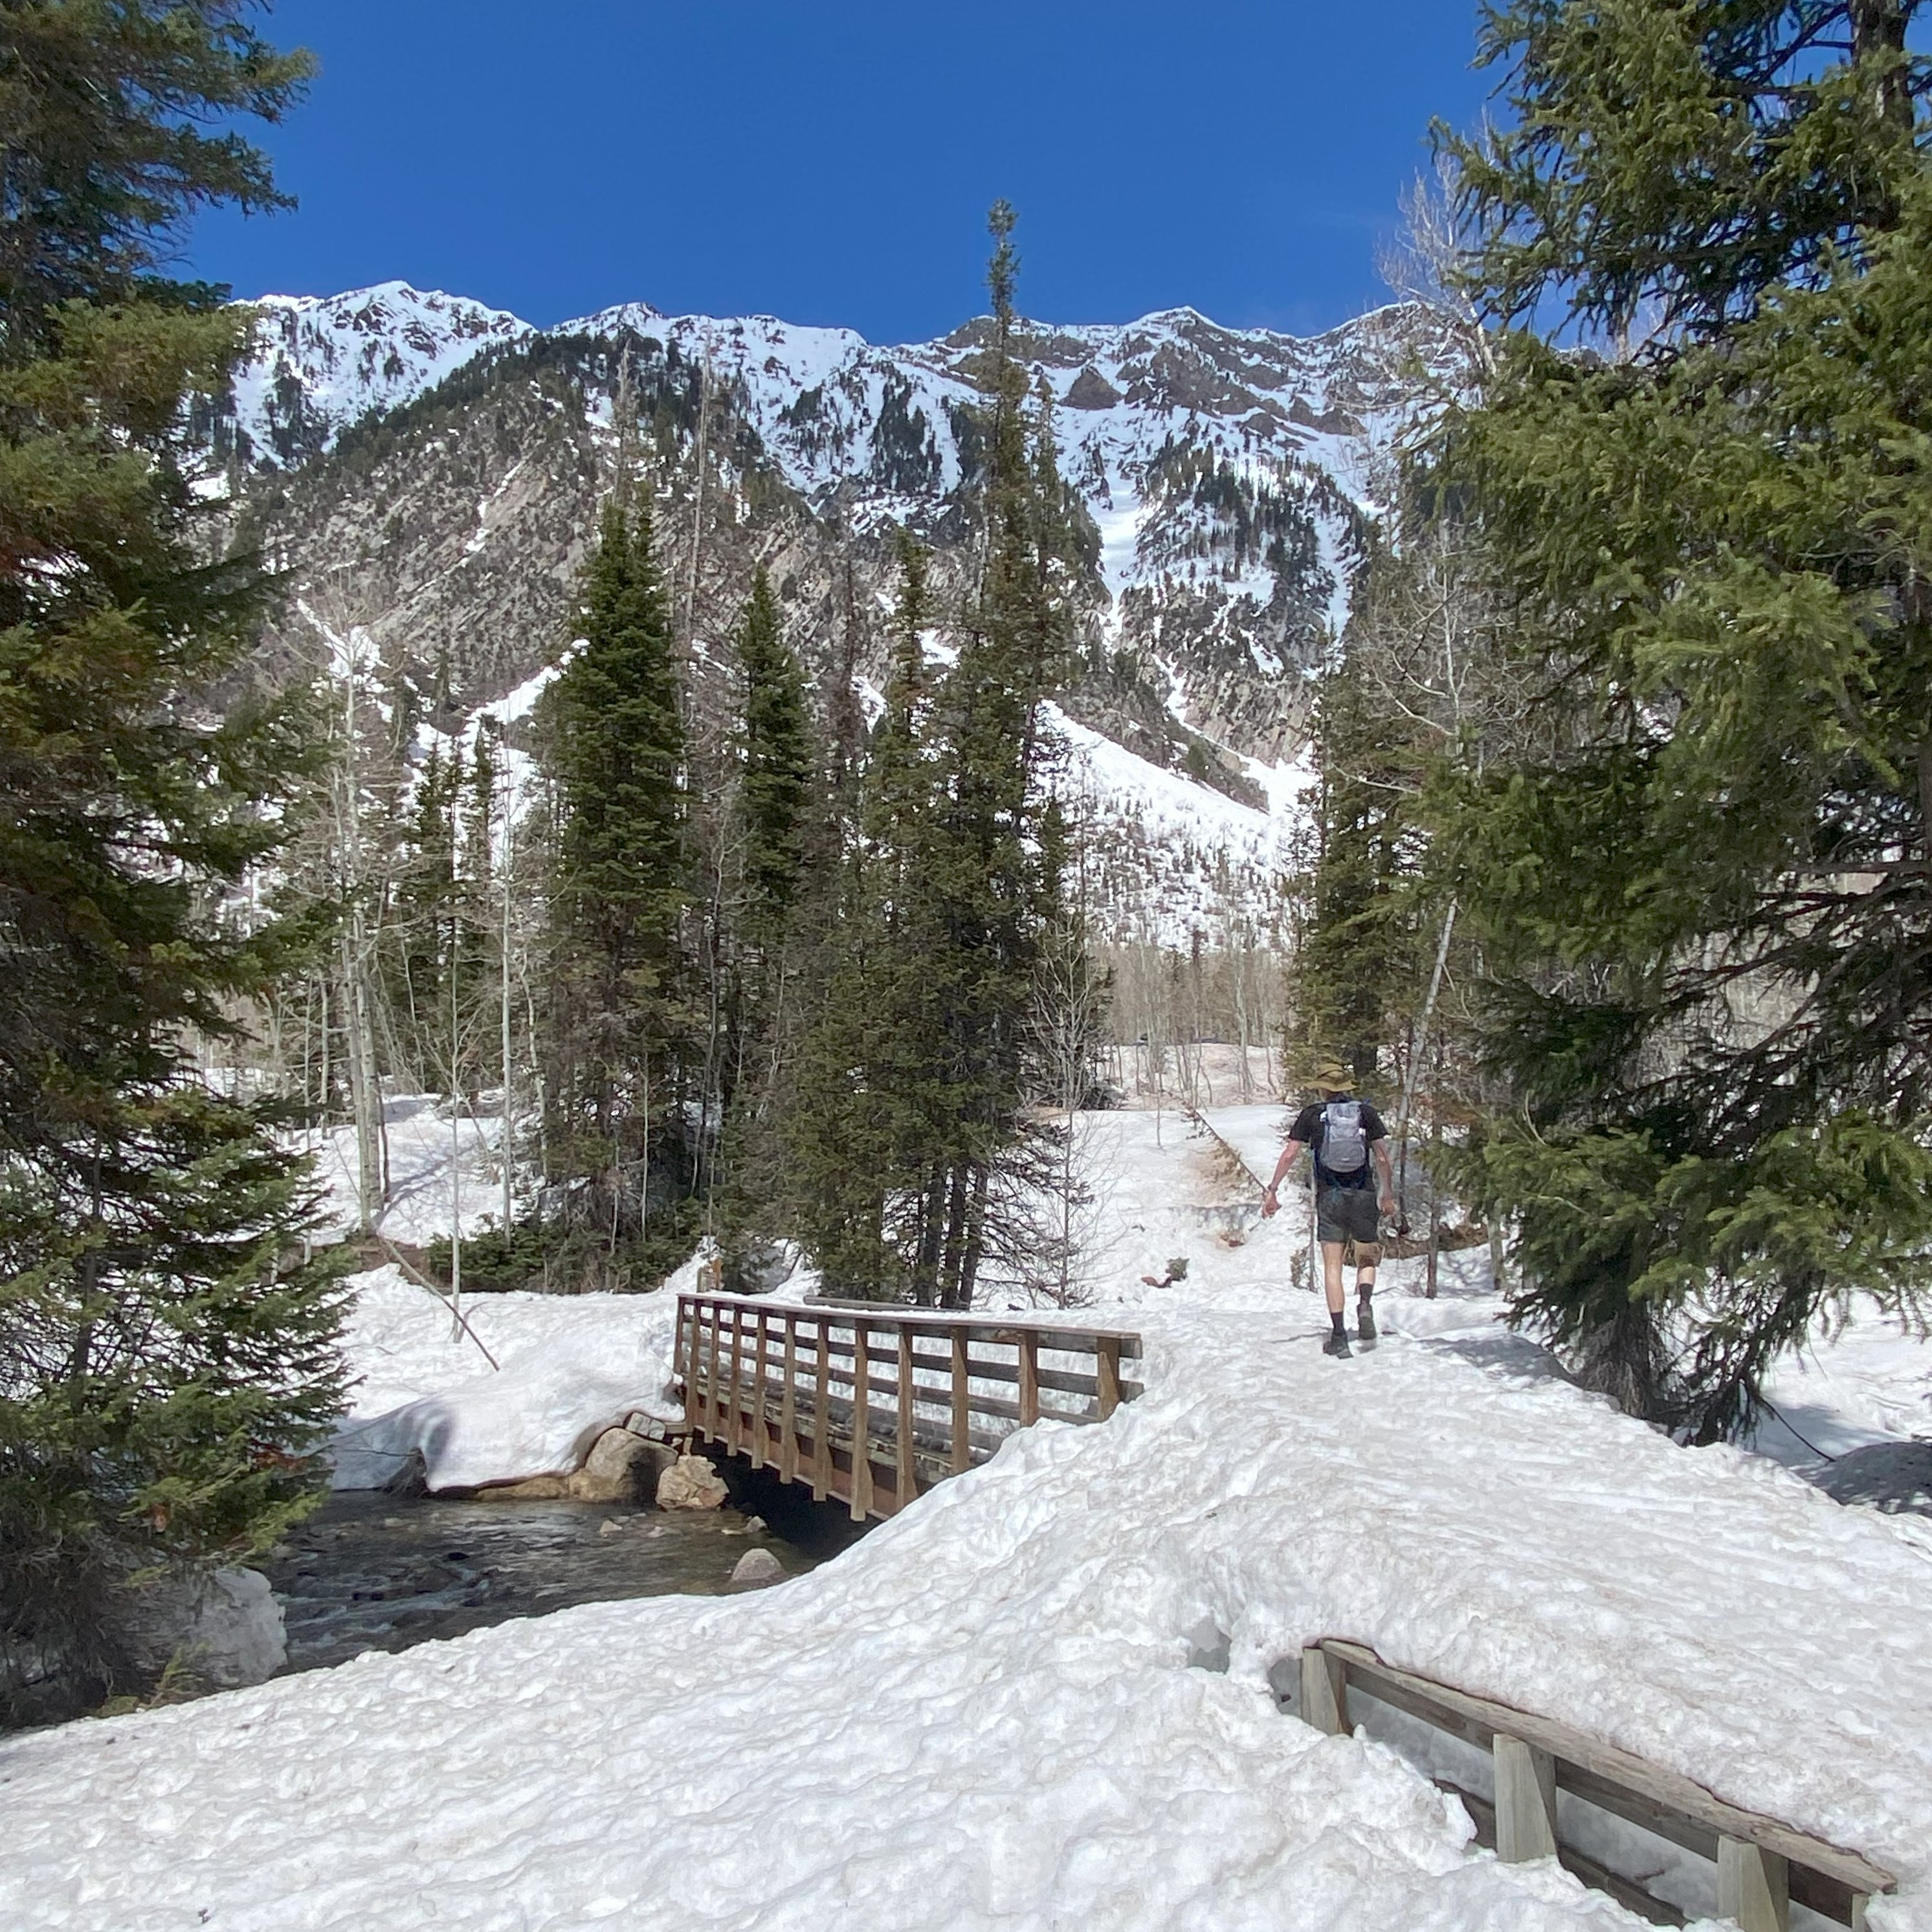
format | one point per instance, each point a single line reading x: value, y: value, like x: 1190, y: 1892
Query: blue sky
x: 832, y: 160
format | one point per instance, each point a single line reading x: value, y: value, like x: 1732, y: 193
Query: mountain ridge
x: 428, y: 468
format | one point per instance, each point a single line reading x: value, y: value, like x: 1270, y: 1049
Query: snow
x: 1869, y: 1381
x: 983, y: 1715
x: 419, y: 1130
x: 569, y: 1366
x: 347, y: 355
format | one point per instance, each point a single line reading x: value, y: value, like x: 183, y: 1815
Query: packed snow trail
x: 983, y: 1715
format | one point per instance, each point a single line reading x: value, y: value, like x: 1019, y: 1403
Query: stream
x: 373, y: 1571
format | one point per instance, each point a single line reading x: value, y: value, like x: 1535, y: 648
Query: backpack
x: 1344, y: 1140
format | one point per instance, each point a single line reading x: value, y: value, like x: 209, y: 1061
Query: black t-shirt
x: 1311, y: 1128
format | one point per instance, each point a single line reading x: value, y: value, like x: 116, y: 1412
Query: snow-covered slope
x: 323, y: 362
x: 1225, y: 475
x: 984, y: 1716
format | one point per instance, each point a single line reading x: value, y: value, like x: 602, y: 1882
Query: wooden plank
x: 821, y: 1421
x: 962, y: 1411
x: 862, y: 1447
x: 1752, y: 1887
x: 732, y: 1427
x: 1605, y: 1768
x: 685, y: 1367
x: 906, y: 1479
x: 758, y: 1397
x: 711, y: 1379
x: 1324, y: 1691
x: 788, y: 1405
x: 1525, y: 1801
x: 1063, y: 1380
x: 1075, y: 1341
x: 1029, y: 1378
x: 1107, y: 1379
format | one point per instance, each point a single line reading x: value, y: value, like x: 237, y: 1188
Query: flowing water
x: 372, y: 1571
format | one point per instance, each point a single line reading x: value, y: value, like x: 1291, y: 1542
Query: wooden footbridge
x: 871, y: 1405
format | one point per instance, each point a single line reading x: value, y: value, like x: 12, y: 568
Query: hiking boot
x: 1335, y: 1343
x: 1365, y: 1320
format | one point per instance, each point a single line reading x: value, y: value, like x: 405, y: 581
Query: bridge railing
x: 870, y: 1408
x: 1764, y: 1866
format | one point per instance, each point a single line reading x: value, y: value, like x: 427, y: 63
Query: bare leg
x: 1366, y: 1259
x: 1331, y: 1274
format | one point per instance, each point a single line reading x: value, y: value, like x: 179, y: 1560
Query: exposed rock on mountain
x: 429, y: 470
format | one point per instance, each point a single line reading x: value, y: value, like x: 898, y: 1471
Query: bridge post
x: 861, y: 1424
x: 1029, y: 1376
x: 1525, y: 1801
x: 905, y: 1478
x: 758, y: 1397
x: 962, y: 1404
x: 734, y: 1433
x: 1753, y: 1886
x: 1107, y: 1374
x: 1324, y: 1692
x: 788, y: 1404
x: 821, y: 1415
x: 711, y: 1375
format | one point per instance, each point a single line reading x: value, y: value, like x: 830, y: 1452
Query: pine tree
x: 773, y: 951
x: 777, y: 772
x: 167, y: 1362
x: 858, y: 1132
x: 911, y: 1133
x: 1702, y: 885
x: 623, y: 1028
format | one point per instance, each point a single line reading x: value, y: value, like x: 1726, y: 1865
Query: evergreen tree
x: 1704, y: 883
x: 858, y: 1138
x: 777, y: 771
x: 920, y: 1070
x: 766, y: 969
x: 623, y: 1027
x: 166, y: 1355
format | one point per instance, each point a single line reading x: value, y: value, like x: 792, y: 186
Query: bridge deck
x: 872, y: 1407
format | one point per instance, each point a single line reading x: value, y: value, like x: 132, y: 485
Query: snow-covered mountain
x: 429, y: 469
x: 323, y: 363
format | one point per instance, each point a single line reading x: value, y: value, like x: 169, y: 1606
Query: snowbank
x: 983, y: 1716
x: 570, y: 1367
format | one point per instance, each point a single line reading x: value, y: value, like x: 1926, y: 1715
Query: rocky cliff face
x: 429, y: 470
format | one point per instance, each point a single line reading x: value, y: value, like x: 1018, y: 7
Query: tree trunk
x: 976, y: 1235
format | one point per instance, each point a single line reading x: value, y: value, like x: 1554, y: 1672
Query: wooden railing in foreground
x: 1763, y: 1866
x: 872, y: 1407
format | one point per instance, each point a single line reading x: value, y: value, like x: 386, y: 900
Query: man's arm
x: 1380, y: 1150
x: 1290, y: 1154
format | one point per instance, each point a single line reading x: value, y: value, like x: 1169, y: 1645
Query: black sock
x: 1335, y: 1316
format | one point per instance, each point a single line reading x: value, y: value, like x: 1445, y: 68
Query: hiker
x: 1350, y: 1146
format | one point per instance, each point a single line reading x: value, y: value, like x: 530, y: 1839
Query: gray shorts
x: 1348, y: 1214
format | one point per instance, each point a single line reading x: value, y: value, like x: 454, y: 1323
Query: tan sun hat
x: 1333, y: 1078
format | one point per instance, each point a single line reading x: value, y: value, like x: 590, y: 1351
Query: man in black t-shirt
x: 1350, y: 1152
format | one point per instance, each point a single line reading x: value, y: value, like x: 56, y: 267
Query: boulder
x: 531, y: 1489
x: 759, y: 1266
x: 620, y: 1469
x: 225, y: 1629
x: 690, y: 1484
x: 758, y: 1566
